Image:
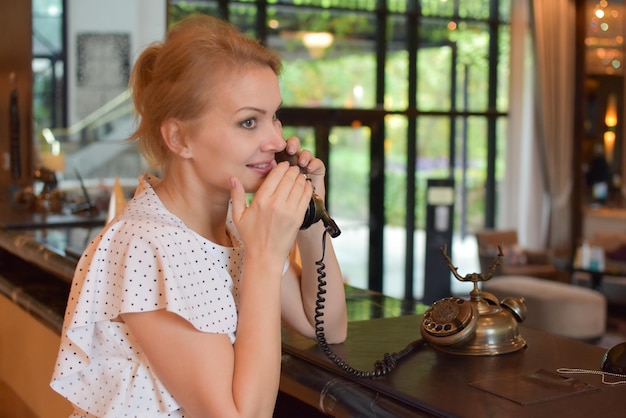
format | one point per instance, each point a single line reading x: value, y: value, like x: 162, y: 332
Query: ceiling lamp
x: 317, y: 42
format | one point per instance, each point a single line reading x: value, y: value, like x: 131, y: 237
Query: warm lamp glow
x: 317, y: 42
x: 317, y: 39
x: 609, y: 143
x: 53, y: 160
x: 610, y: 118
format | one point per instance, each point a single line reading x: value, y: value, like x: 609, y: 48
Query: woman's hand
x: 314, y: 167
x: 275, y: 214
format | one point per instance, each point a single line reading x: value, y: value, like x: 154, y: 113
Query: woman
x: 175, y: 309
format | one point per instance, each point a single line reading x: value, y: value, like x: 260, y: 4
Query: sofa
x: 516, y: 260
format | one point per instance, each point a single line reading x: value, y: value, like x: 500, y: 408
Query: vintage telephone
x: 480, y: 326
x: 316, y: 210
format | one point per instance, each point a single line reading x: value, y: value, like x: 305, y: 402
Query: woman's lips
x: 263, y: 168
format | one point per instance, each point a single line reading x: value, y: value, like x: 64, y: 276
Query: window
x: 389, y: 94
x: 422, y: 93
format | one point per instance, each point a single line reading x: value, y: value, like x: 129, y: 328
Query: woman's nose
x: 276, y: 140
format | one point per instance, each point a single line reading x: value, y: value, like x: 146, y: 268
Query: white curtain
x: 523, y: 197
x: 536, y: 192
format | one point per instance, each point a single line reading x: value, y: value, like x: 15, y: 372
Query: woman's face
x: 240, y: 133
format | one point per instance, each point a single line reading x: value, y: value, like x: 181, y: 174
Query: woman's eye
x: 249, y: 123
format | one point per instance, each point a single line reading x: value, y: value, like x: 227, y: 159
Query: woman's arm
x: 300, y: 283
x: 300, y: 287
x: 205, y: 373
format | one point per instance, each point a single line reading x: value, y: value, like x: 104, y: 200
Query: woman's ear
x: 173, y: 132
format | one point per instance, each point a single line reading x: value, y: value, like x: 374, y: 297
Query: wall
x: 144, y: 21
x: 15, y: 56
x: 103, y: 41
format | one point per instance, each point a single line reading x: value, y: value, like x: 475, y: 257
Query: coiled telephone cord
x: 381, y: 367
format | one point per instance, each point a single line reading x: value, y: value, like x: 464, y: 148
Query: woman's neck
x: 202, y: 213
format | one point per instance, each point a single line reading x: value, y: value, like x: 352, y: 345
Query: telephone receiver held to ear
x: 317, y: 210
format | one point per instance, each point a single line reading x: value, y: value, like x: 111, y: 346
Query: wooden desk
x: 432, y: 383
x: 35, y: 276
x: 16, y: 218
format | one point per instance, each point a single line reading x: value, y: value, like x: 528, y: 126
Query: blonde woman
x: 175, y: 308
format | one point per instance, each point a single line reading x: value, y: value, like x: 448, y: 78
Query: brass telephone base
x: 473, y: 348
x: 478, y: 327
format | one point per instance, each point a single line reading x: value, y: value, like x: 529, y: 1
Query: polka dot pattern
x: 146, y: 259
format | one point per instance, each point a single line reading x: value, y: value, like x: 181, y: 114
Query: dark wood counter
x: 433, y: 383
x: 35, y: 272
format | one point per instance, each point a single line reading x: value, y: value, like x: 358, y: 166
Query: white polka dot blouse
x: 145, y: 259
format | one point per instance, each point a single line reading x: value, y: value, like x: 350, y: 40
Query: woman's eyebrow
x: 255, y: 109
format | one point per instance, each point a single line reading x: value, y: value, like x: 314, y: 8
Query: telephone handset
x: 316, y: 210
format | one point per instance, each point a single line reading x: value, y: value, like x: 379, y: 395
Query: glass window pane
x: 466, y: 45
x: 395, y: 205
x: 43, y: 94
x: 349, y: 164
x: 369, y: 5
x: 397, y: 6
x: 47, y: 27
x: 47, y: 65
x: 471, y: 173
x: 396, y: 65
x: 306, y: 134
x: 501, y: 135
x: 433, y: 148
x: 504, y: 8
x: 395, y: 170
x: 469, y: 180
x: 472, y: 41
x: 475, y: 9
x: 328, y: 58
x: 244, y: 16
x: 348, y: 200
x: 178, y: 10
x: 504, y: 52
x: 437, y: 8
x: 433, y: 80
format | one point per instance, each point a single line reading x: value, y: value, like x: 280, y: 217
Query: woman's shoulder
x: 145, y: 214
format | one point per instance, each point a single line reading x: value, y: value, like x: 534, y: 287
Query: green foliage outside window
x: 453, y: 54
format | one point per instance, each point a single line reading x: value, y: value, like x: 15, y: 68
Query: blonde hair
x: 175, y: 78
